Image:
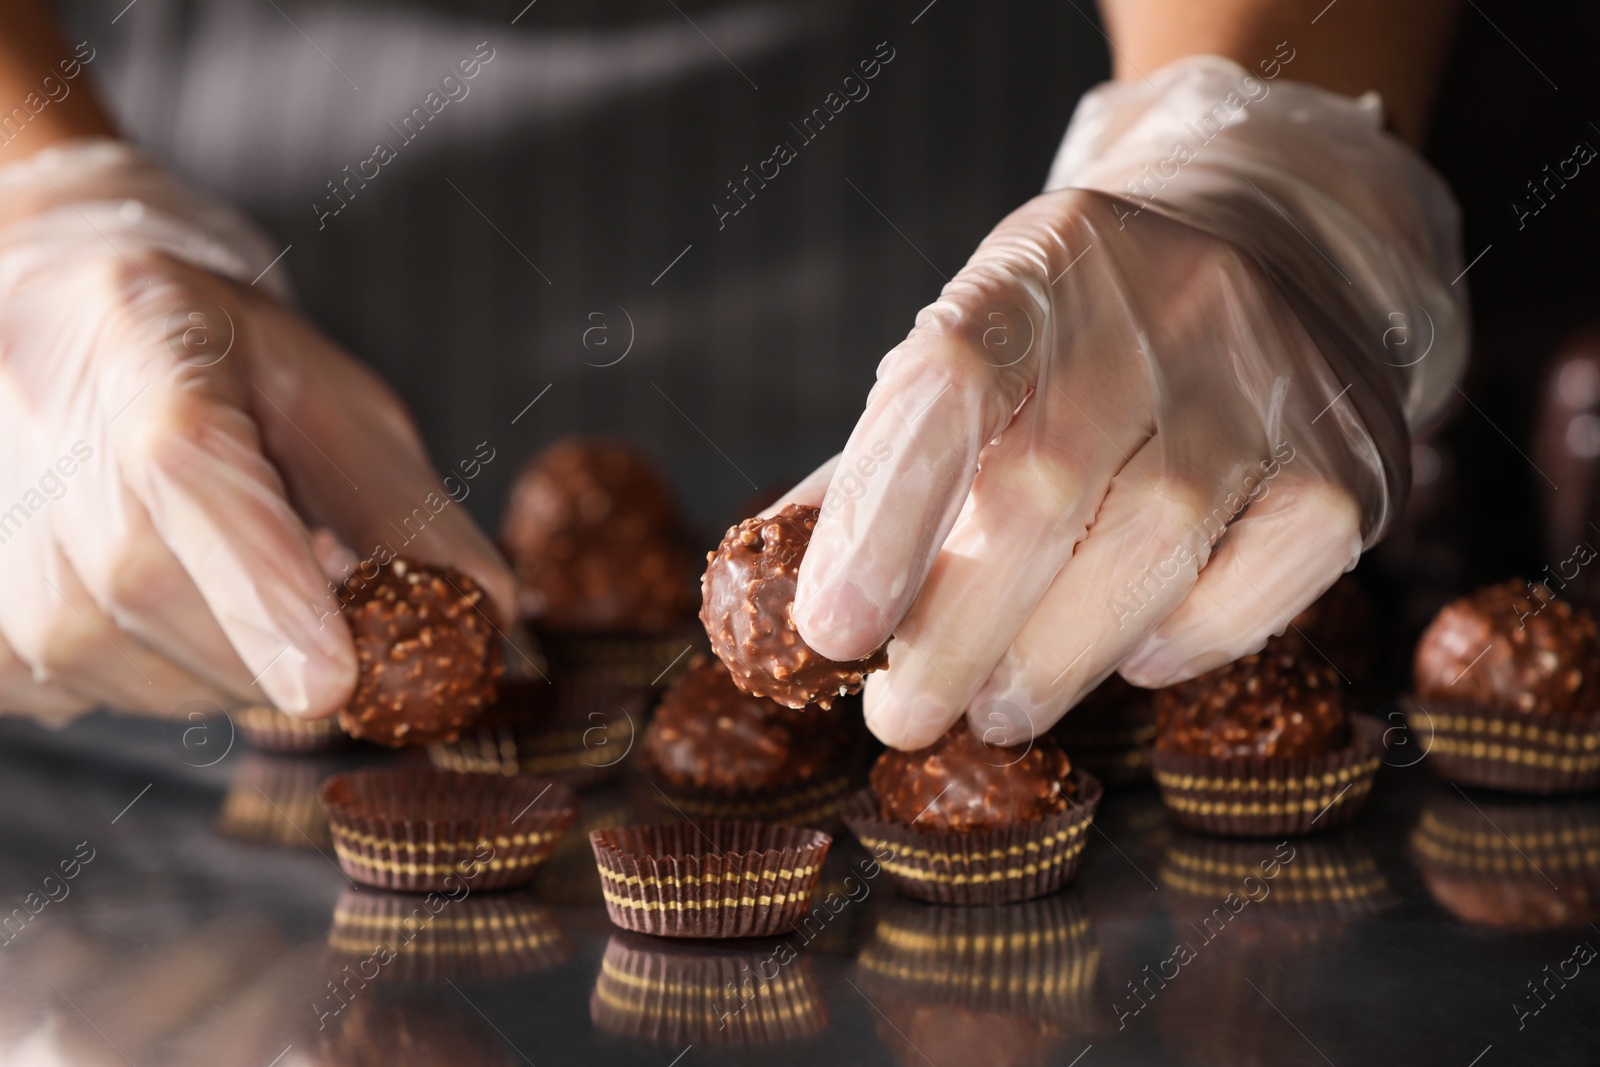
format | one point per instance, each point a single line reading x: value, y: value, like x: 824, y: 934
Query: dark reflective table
x: 170, y: 900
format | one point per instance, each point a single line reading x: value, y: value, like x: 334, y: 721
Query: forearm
x: 1354, y: 45
x: 44, y: 98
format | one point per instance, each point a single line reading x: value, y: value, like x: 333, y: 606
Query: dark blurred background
x: 565, y: 207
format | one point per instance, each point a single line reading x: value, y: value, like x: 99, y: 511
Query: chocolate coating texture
x: 597, y: 542
x: 1507, y: 647
x: 959, y: 784
x: 747, y: 596
x: 1280, y: 703
x: 708, y: 735
x: 426, y: 652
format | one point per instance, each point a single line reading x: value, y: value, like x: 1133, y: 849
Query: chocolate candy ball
x: 747, y: 596
x: 960, y: 784
x: 708, y: 734
x: 1280, y: 702
x: 427, y: 653
x: 1509, y: 646
x: 597, y: 542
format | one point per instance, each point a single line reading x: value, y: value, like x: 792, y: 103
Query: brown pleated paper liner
x: 985, y: 866
x: 1111, y: 742
x: 1325, y: 878
x: 275, y: 801
x: 1512, y: 864
x: 717, y: 879
x: 423, y: 831
x: 676, y: 995
x: 1037, y: 959
x: 438, y: 939
x: 648, y: 661
x: 1506, y: 749
x: 270, y: 730
x: 1256, y: 796
x: 577, y: 731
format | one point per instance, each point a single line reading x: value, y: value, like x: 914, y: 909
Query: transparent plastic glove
x: 1141, y: 431
x: 167, y: 432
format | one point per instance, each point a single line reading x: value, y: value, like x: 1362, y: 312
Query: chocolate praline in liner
x: 996, y: 866
x: 1259, y: 796
x: 717, y: 879
x: 471, y: 938
x: 1543, y: 753
x: 270, y: 730
x: 429, y: 831
x: 673, y: 994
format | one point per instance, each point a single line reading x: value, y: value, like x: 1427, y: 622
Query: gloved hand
x: 1160, y: 410
x: 167, y: 432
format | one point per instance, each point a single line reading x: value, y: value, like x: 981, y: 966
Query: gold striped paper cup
x: 675, y: 994
x: 422, y: 831
x: 1259, y: 796
x: 718, y: 879
x: 270, y: 730
x: 1506, y: 749
x: 985, y: 866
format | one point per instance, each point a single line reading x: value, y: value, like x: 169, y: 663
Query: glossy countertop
x: 171, y: 899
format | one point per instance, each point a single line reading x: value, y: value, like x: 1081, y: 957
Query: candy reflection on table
x: 676, y: 994
x: 477, y: 937
x: 274, y: 801
x: 1511, y: 863
x: 1005, y: 985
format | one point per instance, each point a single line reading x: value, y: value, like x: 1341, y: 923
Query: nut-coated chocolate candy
x: 959, y: 784
x: 427, y: 653
x: 706, y: 734
x: 597, y: 542
x: 1281, y: 702
x: 1511, y: 646
x: 747, y: 595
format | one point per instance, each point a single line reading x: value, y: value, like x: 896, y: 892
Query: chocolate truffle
x: 597, y: 542
x: 747, y: 596
x: 1511, y: 646
x: 959, y: 784
x: 1280, y: 703
x: 426, y: 652
x: 707, y: 734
